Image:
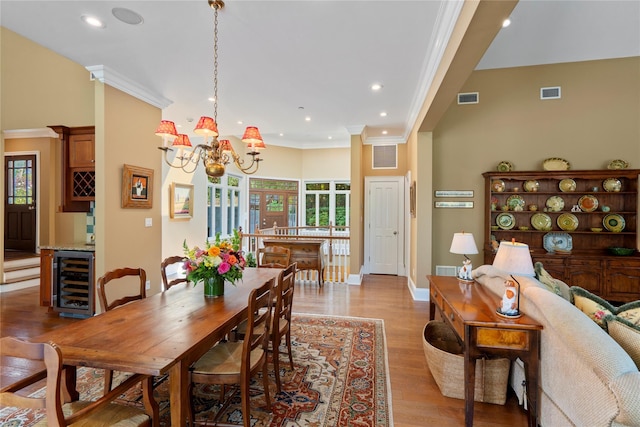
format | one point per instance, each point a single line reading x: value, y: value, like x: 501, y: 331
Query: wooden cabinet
x: 569, y: 219
x: 307, y: 253
x: 46, y: 277
x: 78, y: 167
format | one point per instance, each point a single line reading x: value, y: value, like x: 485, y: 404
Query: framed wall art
x: 412, y: 199
x: 137, y: 187
x: 181, y: 201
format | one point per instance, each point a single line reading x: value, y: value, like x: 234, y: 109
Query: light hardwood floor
x: 417, y: 401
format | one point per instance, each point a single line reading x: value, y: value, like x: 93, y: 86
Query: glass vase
x: 214, y: 287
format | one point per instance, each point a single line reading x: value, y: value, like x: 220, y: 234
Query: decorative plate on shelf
x: 531, y: 185
x: 567, y: 222
x: 541, y: 221
x: 567, y: 185
x: 614, y: 223
x: 555, y: 203
x: 612, y: 185
x: 588, y: 203
x: 514, y: 201
x: 497, y: 185
x: 505, y: 166
x: 506, y: 221
x: 557, y: 241
x: 618, y: 164
x: 556, y: 164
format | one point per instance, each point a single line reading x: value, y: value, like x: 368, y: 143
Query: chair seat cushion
x: 225, y: 358
x: 109, y: 415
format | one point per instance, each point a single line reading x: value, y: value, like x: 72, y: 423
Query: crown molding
x: 443, y: 28
x: 111, y: 77
x: 29, y: 133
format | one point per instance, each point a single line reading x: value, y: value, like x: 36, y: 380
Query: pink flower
x: 224, y: 267
x: 599, y: 314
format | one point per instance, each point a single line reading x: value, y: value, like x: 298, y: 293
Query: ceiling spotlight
x: 211, y: 99
x: 384, y: 132
x: 506, y: 23
x: 308, y: 119
x: 281, y: 134
x: 239, y: 122
x: 127, y: 16
x: 330, y: 137
x: 93, y: 21
x: 383, y: 114
x: 376, y: 86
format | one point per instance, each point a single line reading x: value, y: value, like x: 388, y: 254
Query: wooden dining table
x: 161, y: 334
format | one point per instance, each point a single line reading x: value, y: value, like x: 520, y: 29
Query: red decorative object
x: 182, y: 140
x: 252, y: 136
x: 206, y: 126
x: 167, y: 129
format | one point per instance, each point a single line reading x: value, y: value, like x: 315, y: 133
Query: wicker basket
x: 446, y: 362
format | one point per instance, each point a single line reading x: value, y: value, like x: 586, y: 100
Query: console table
x: 471, y: 312
x: 306, y: 252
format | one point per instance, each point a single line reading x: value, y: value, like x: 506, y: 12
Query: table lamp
x: 513, y: 258
x: 464, y: 244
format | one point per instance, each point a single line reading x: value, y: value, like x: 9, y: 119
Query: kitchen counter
x: 77, y: 246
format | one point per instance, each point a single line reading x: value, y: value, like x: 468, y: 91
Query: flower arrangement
x: 222, y: 259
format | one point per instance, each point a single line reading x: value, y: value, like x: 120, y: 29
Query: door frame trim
x: 402, y: 255
x: 38, y: 181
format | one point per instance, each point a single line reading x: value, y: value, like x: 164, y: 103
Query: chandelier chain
x: 215, y: 65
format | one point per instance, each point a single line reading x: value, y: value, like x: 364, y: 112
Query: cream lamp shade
x: 514, y: 258
x: 463, y: 243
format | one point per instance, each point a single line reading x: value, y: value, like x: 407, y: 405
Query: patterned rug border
x: 386, y: 351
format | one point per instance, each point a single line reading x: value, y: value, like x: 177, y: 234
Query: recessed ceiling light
x: 93, y: 21
x: 308, y: 119
x: 239, y: 122
x: 281, y: 134
x: 506, y: 23
x: 376, y: 86
x: 127, y: 16
x: 211, y: 98
x: 384, y: 132
x: 330, y: 137
x: 383, y: 114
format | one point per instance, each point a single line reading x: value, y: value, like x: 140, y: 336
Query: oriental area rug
x: 340, y: 378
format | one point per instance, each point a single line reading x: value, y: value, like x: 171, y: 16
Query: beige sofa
x: 586, y: 378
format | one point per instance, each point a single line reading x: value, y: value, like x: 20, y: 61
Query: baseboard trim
x: 418, y: 294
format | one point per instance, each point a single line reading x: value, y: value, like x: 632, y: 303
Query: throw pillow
x: 556, y: 286
x: 626, y: 335
x: 597, y: 308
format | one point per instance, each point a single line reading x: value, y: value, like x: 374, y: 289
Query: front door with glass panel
x: 272, y: 202
x: 20, y: 203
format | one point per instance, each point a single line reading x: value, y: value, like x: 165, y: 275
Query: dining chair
x: 280, y: 320
x: 274, y: 257
x: 101, y: 412
x: 111, y: 279
x: 235, y: 362
x: 165, y: 265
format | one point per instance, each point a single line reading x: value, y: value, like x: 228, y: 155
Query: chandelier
x: 215, y: 154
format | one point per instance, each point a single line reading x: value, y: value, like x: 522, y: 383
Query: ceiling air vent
x: 385, y: 156
x: 550, y: 92
x: 468, y: 98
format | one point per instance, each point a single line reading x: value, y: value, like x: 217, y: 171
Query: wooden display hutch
x: 570, y: 204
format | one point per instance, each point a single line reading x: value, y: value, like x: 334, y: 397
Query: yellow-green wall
x: 596, y: 120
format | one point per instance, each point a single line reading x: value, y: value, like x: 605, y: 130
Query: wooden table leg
x: 469, y: 378
x: 69, y: 391
x: 179, y: 389
x: 532, y: 371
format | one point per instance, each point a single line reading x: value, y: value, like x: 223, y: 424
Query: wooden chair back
x: 118, y: 274
x: 167, y: 262
x: 258, y: 324
x: 274, y: 257
x: 92, y: 412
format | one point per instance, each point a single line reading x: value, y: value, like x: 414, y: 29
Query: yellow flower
x: 214, y: 251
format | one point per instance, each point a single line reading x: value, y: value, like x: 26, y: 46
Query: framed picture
x: 464, y: 205
x: 137, y: 187
x: 181, y: 201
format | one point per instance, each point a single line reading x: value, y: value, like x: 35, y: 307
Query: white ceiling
x: 280, y: 61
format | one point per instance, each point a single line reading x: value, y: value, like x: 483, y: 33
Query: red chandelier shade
x: 252, y: 136
x: 182, y: 140
x: 206, y: 127
x: 166, y: 128
x: 225, y: 145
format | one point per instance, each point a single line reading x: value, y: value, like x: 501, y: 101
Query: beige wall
x: 123, y: 136
x: 595, y: 121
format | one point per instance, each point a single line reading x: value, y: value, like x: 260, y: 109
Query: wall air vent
x: 446, y: 270
x: 385, y: 157
x: 468, y: 98
x: 550, y: 92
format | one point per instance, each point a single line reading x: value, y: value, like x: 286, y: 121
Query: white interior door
x: 384, y: 229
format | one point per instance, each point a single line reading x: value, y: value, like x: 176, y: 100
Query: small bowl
x: 622, y: 251
x: 596, y: 229
x: 495, y: 227
x: 523, y: 228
